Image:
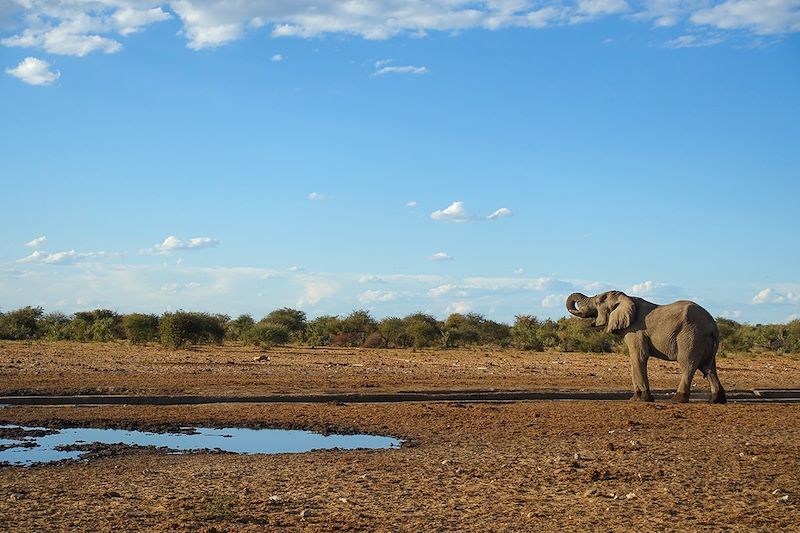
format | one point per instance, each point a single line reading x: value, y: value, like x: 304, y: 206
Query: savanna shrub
x: 140, y: 328
x: 267, y: 334
x: 21, y: 324
x: 180, y: 328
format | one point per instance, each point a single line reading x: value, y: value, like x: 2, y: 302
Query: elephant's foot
x: 639, y: 396
x: 680, y: 398
x: 720, y: 397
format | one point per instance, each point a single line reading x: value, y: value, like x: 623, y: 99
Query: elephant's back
x: 688, y: 312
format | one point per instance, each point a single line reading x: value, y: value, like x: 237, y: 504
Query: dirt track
x: 522, y: 466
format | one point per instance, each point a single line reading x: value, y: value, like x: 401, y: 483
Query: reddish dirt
x: 118, y: 368
x: 577, y: 465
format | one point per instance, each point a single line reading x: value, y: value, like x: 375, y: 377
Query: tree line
x: 358, y: 329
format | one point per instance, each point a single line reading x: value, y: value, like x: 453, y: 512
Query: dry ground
x: 118, y: 368
x: 609, y: 466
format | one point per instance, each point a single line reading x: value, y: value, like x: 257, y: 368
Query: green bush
x: 393, y: 332
x: 140, y: 328
x: 422, y: 330
x: 292, y: 319
x: 238, y: 329
x: 321, y: 330
x: 357, y: 326
x: 22, y: 324
x: 267, y: 334
x: 180, y: 328
x: 54, y: 327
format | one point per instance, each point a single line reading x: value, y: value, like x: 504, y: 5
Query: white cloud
x: 772, y: 296
x: 316, y: 196
x: 295, y: 268
x: 441, y: 290
x: 80, y: 27
x: 519, y: 270
x: 173, y: 244
x: 374, y: 296
x: 553, y: 300
x: 455, y: 212
x: 441, y: 256
x: 502, y: 212
x: 459, y: 307
x: 38, y: 241
x: 764, y: 17
x: 276, y: 58
x: 645, y: 288
x: 691, y: 41
x: 398, y: 69
x: 316, y: 289
x: 412, y: 203
x: 602, y: 7
x: 34, y: 72
x: 128, y: 20
x: 371, y: 279
x: 66, y: 258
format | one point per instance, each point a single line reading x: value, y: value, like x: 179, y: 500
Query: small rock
x: 784, y: 499
x: 16, y: 496
x: 275, y: 499
x: 343, y: 500
x: 776, y: 492
x: 630, y: 496
x: 591, y: 492
x: 304, y: 513
x: 261, y: 359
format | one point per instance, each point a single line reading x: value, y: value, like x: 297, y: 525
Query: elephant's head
x: 613, y: 309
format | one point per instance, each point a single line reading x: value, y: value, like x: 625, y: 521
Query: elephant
x: 681, y: 331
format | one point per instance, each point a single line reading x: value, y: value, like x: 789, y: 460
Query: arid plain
x: 481, y: 466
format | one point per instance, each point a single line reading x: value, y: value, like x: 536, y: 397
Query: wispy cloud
x: 441, y: 256
x: 457, y: 213
x: 34, y: 71
x: 276, y: 58
x: 692, y: 41
x: 773, y: 296
x: 82, y: 27
x: 317, y: 196
x: 175, y: 244
x: 401, y: 69
x: 35, y: 243
x: 66, y: 258
x: 377, y: 296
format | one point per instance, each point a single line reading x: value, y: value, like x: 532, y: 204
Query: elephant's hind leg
x: 717, y: 392
x: 688, y: 368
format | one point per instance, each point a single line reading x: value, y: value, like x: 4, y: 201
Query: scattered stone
x: 113, y: 494
x: 17, y: 496
x: 275, y: 499
x: 784, y: 499
x: 304, y: 513
x: 630, y: 496
x: 776, y: 492
x: 343, y: 500
x: 261, y: 359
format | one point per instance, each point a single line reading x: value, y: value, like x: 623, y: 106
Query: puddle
x: 21, y: 445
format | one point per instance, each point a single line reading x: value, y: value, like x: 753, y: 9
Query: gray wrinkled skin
x: 681, y: 331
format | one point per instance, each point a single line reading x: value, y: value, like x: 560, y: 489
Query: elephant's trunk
x: 583, y: 302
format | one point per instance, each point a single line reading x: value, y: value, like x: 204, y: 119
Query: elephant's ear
x: 622, y: 315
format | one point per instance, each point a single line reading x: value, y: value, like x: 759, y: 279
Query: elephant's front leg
x: 637, y: 348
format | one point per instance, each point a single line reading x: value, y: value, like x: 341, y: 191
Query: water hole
x: 21, y: 445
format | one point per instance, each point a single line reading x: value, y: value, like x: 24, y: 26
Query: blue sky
x: 400, y: 155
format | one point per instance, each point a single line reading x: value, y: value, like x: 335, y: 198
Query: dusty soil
x: 574, y: 465
x: 118, y: 368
